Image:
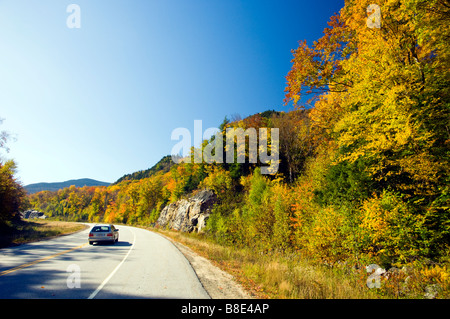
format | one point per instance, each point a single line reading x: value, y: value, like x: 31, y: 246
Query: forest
x: 364, y: 153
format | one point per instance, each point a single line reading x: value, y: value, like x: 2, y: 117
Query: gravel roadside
x: 218, y: 283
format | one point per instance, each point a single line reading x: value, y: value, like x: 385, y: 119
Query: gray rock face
x: 30, y: 214
x: 190, y: 214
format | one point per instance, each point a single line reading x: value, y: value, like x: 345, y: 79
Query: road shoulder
x: 218, y: 283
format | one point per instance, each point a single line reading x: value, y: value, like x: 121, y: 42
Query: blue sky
x: 101, y: 101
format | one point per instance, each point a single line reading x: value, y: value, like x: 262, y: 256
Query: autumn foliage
x: 364, y: 172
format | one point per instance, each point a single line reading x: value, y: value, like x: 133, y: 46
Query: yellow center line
x: 5, y: 272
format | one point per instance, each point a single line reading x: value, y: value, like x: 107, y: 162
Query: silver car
x: 103, y: 233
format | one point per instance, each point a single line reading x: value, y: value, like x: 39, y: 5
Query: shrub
x: 390, y: 231
x: 218, y: 180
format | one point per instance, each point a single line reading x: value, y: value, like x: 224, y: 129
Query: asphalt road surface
x: 141, y: 265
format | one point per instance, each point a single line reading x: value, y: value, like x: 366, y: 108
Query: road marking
x: 92, y: 295
x: 8, y: 271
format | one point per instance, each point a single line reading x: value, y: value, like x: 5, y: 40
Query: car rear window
x: 100, y: 229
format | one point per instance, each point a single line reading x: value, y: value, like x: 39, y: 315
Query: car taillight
x: 109, y: 234
x: 91, y: 235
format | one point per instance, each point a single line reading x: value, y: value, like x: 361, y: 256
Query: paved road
x: 141, y: 265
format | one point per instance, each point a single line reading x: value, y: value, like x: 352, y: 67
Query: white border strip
x: 92, y: 295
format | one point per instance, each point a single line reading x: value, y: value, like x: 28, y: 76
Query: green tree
x: 11, y: 192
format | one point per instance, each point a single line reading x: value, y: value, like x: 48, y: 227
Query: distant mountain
x: 163, y: 165
x: 38, y: 187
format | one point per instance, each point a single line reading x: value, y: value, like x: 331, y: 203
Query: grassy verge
x: 275, y: 275
x: 296, y: 277
x: 24, y: 231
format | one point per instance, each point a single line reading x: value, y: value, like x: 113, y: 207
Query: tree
x: 11, y: 192
x: 318, y: 69
x: 395, y: 115
x: 296, y: 143
x: 4, y: 136
x: 383, y: 108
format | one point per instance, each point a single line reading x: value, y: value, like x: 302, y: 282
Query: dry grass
x: 276, y: 275
x: 25, y: 231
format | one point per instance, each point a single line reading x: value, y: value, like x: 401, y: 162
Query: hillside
x: 38, y: 187
x: 163, y: 165
x: 363, y: 175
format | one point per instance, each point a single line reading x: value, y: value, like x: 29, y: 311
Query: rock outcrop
x: 30, y: 214
x: 189, y: 214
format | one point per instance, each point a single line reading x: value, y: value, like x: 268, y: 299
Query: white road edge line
x: 92, y: 295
